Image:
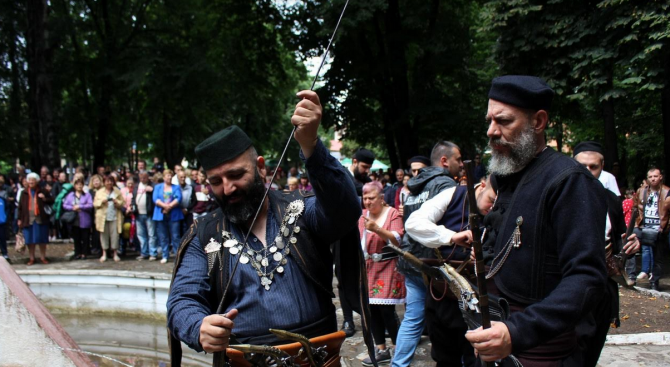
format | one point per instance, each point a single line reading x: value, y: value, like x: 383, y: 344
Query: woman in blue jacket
x: 167, y: 214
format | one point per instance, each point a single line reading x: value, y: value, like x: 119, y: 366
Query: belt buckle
x: 376, y: 257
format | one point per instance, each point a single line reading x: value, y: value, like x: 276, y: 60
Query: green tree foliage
x: 606, y: 59
x: 403, y: 75
x: 161, y: 74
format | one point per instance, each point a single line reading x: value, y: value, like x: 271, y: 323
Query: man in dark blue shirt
x: 284, y: 276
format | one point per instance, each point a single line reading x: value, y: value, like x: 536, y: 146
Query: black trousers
x: 82, y: 240
x: 382, y: 318
x: 447, y: 333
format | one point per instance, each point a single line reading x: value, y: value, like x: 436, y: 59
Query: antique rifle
x: 480, y: 271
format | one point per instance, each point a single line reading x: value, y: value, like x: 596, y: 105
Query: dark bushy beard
x: 245, y: 209
x: 519, y: 153
x: 361, y: 177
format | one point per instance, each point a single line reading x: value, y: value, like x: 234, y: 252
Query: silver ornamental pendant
x: 265, y: 282
x: 212, y: 246
x: 230, y: 243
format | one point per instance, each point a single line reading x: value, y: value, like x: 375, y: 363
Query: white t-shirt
x: 609, y: 181
x: 651, y: 217
x: 141, y: 199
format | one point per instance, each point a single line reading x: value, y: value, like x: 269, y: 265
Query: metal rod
x: 281, y: 159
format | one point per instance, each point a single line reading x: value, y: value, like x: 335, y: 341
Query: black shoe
x: 348, y: 328
x: 654, y: 286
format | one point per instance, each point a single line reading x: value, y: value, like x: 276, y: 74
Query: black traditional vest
x: 314, y: 259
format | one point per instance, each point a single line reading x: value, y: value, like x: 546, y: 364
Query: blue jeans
x: 411, y: 327
x: 647, y: 259
x: 146, y: 233
x: 168, y: 233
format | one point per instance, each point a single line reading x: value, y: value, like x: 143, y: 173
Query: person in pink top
x: 378, y: 225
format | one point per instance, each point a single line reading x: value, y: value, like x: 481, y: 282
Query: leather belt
x: 381, y: 257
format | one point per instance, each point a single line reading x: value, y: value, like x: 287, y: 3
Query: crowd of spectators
x: 109, y: 214
x: 106, y: 214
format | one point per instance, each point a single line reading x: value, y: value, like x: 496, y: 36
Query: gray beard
x: 521, y: 152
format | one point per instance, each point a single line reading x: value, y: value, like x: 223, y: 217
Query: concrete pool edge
x: 27, y: 310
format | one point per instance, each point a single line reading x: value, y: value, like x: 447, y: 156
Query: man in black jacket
x: 544, y: 233
x: 445, y: 163
x: 593, y: 329
x: 143, y: 207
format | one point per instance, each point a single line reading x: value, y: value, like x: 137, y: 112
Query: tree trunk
x: 104, y: 120
x: 397, y: 98
x: 611, y: 146
x: 44, y: 137
x: 559, y: 136
x: 665, y: 108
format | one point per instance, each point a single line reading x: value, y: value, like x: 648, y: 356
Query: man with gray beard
x: 543, y: 237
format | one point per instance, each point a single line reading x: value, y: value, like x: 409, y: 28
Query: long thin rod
x: 281, y: 159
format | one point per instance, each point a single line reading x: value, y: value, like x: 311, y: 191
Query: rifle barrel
x: 473, y: 220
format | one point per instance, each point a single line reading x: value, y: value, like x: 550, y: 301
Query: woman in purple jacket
x: 82, y: 203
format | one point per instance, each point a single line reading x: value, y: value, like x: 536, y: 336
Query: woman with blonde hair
x: 94, y: 184
x: 108, y: 217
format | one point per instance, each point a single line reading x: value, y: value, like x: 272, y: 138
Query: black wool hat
x: 419, y: 159
x: 364, y: 155
x: 523, y: 91
x: 222, y: 147
x: 588, y: 146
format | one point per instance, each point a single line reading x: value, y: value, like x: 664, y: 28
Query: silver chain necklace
x: 270, y: 259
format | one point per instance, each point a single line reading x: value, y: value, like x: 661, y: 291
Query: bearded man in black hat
x: 544, y: 233
x: 284, y: 276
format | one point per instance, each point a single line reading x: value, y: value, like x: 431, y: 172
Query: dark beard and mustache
x: 361, y: 177
x: 520, y: 153
x: 245, y: 209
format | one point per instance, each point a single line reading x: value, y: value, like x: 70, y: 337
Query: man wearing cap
x: 360, y: 168
x: 544, y: 233
x: 284, y: 275
x: 593, y: 329
x: 445, y: 160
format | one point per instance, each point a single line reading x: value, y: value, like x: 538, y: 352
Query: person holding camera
x: 109, y: 217
x: 143, y: 207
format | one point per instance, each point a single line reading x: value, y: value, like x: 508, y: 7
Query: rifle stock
x: 416, y: 262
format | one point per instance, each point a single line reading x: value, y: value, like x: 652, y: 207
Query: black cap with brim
x: 222, y: 147
x: 525, y: 91
x: 588, y: 146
